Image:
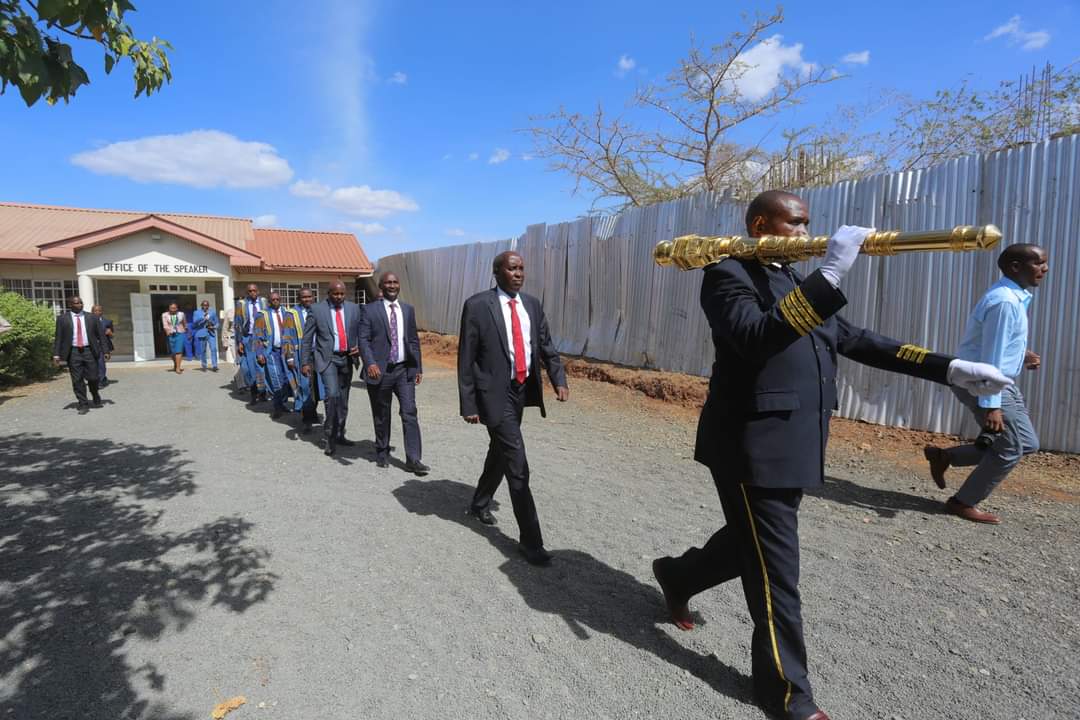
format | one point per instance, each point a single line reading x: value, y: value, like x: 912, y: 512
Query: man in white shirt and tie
x: 390, y: 348
x: 79, y: 342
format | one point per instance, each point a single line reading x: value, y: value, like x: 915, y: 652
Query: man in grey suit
x: 390, y: 347
x: 331, y: 346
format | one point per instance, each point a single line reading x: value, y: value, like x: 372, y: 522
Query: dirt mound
x: 1047, y: 475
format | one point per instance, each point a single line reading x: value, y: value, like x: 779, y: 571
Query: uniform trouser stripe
x: 768, y: 598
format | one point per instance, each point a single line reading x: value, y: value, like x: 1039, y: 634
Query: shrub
x: 26, y: 349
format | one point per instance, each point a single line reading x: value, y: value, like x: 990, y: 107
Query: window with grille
x: 173, y: 288
x: 290, y: 292
x: 54, y: 293
x: 361, y: 295
x: 23, y: 287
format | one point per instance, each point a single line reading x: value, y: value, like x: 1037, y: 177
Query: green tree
x: 36, y: 60
x: 26, y: 349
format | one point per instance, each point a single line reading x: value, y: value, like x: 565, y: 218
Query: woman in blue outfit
x: 175, y: 326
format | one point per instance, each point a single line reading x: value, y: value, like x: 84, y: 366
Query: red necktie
x: 519, y: 344
x: 80, y: 339
x: 342, y: 336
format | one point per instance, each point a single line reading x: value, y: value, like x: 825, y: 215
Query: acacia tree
x: 695, y: 109
x: 35, y: 58
x: 968, y: 119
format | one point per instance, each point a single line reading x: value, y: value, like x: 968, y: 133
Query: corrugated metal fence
x: 605, y: 299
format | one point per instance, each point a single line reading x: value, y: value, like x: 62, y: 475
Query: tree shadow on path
x: 585, y: 592
x: 84, y: 567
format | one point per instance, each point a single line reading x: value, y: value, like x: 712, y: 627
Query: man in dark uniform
x: 79, y: 342
x: 763, y: 431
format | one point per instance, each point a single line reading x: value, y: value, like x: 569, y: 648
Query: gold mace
x: 695, y: 251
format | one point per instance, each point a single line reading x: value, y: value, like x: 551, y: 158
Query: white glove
x: 841, y: 252
x: 977, y: 378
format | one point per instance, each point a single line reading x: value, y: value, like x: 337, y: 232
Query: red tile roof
x: 25, y: 228
x: 310, y: 250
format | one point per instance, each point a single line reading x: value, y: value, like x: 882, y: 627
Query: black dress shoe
x: 275, y: 414
x: 535, y: 555
x: 415, y: 466
x: 83, y: 408
x: 96, y: 401
x: 330, y: 450
x: 381, y: 463
x: 344, y: 441
x: 305, y: 428
x: 483, y: 516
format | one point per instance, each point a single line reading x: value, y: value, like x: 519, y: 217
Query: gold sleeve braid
x: 798, y: 312
x: 913, y: 353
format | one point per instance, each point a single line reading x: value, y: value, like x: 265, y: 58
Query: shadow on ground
x: 589, y: 595
x: 886, y: 503
x: 85, y: 568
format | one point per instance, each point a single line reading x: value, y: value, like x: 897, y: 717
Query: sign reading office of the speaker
x: 161, y: 268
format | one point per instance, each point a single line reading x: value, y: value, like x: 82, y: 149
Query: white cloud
x: 455, y: 232
x: 1016, y: 35
x: 363, y: 201
x: 398, y: 78
x: 625, y: 65
x: 474, y: 156
x: 364, y: 228
x: 760, y: 68
x: 527, y: 157
x: 265, y: 221
x: 309, y: 189
x: 857, y: 58
x: 500, y: 155
x: 200, y: 158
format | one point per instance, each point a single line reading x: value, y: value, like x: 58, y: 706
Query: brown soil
x: 1048, y: 475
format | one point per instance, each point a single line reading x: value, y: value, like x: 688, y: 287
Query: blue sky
x: 402, y: 122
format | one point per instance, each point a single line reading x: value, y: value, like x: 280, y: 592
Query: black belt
x: 341, y: 353
x: 79, y: 348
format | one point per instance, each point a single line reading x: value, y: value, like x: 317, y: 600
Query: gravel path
x: 177, y: 548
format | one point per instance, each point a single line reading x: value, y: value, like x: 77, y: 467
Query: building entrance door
x: 159, y: 304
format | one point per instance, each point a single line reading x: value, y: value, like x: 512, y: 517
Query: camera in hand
x: 985, y: 439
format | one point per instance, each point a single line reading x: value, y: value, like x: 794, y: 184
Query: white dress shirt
x: 526, y: 330
x: 333, y: 326
x: 275, y: 322
x: 76, y: 320
x: 390, y: 312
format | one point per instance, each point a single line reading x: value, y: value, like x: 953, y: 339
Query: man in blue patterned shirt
x: 996, y: 333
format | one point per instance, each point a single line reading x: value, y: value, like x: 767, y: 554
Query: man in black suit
x: 107, y: 333
x: 332, y: 349
x: 390, y: 348
x: 504, y: 338
x: 763, y: 431
x: 79, y: 342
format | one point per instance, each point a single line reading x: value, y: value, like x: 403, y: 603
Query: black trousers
x: 506, y: 456
x: 337, y: 381
x: 760, y: 545
x: 83, y: 367
x: 395, y: 382
x: 308, y: 414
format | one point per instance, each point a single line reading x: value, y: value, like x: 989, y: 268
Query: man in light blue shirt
x: 996, y: 333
